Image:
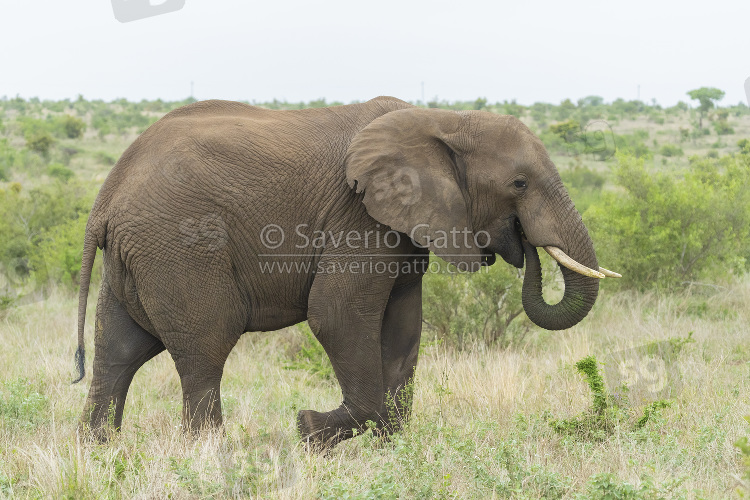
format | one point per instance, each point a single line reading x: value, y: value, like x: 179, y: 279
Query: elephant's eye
x: 519, y: 184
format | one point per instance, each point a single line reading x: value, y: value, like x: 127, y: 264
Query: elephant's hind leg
x: 121, y: 348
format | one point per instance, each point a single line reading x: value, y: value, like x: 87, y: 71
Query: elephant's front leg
x: 345, y: 313
x: 400, y: 335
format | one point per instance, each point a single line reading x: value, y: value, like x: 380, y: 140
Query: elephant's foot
x: 322, y: 431
x: 100, y: 421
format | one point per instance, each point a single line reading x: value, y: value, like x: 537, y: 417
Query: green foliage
x: 60, y: 172
x: 605, y: 486
x: 446, y: 463
x: 15, y: 159
x: 569, y: 130
x: 666, y: 231
x: 104, y: 158
x: 40, y: 142
x: 606, y: 412
x: 511, y: 108
x: 42, y: 234
x: 480, y: 103
x: 671, y: 150
x: 72, y: 126
x: 463, y: 308
x: 706, y: 97
x: 650, y: 410
x: 311, y: 356
x: 57, y: 256
x: 600, y: 420
x: 539, y: 112
x: 119, y: 118
x: 565, y: 110
x: 634, y: 144
x: 21, y: 404
x: 582, y: 177
x: 722, y: 127
x: 744, y: 446
x: 588, y: 368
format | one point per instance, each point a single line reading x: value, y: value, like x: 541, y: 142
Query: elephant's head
x: 473, y: 184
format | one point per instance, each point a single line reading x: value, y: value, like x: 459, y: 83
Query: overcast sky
x: 350, y: 50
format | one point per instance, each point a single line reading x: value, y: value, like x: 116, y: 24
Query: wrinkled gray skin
x: 180, y: 219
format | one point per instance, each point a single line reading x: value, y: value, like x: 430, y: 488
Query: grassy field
x: 480, y: 427
x: 513, y: 419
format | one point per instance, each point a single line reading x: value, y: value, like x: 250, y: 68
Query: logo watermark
x: 273, y: 236
x: 133, y: 10
x: 23, y: 280
x: 647, y: 373
x: 599, y: 139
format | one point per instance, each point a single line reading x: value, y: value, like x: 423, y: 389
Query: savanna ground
x: 500, y: 409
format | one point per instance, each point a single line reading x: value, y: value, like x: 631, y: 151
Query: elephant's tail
x: 90, y: 244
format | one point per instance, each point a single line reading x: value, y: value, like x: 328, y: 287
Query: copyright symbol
x: 272, y: 236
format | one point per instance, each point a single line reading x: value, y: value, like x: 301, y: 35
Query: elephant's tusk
x: 609, y: 274
x: 571, y: 264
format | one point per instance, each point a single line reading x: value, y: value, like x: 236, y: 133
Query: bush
x: 485, y: 307
x: 722, y: 127
x: 40, y: 142
x: 666, y: 231
x: 584, y: 186
x: 569, y: 131
x: 60, y: 172
x: 72, y: 127
x: 634, y: 144
x: 42, y: 235
x: 671, y: 150
x: 104, y: 158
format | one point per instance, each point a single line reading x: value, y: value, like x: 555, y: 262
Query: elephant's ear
x: 408, y: 164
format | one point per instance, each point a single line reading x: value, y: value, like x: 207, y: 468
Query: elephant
x: 223, y: 218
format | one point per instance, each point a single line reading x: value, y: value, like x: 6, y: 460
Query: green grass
x: 480, y: 426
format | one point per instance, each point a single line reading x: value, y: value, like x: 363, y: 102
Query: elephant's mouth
x: 506, y: 242
x: 488, y: 257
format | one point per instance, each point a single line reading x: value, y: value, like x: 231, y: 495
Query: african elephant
x: 223, y: 218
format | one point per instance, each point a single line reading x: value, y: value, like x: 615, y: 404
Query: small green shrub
x: 60, y: 172
x: 466, y: 308
x: 606, y: 412
x: 744, y: 446
x: 311, y: 356
x: 104, y: 158
x: 40, y: 142
x: 569, y: 130
x: 722, y: 127
x: 583, y: 177
x: 671, y: 150
x: 72, y: 127
x: 21, y: 404
x: 600, y: 420
x: 605, y: 486
x: 634, y: 144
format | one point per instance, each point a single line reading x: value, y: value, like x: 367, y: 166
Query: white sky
x: 349, y: 50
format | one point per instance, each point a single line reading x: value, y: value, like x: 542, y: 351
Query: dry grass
x: 479, y: 428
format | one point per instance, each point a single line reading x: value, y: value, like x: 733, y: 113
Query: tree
x: 480, y: 103
x: 706, y: 97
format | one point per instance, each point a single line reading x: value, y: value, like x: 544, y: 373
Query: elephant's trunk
x: 580, y: 291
